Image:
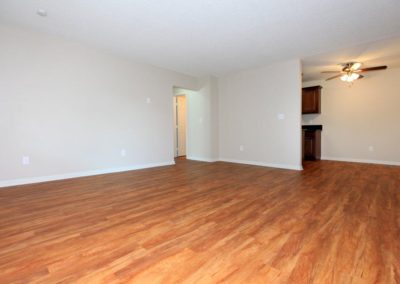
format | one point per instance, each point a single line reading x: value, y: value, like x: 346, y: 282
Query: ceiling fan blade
x: 331, y: 71
x: 336, y: 76
x: 372, y: 69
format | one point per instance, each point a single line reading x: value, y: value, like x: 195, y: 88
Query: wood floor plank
x: 198, y: 222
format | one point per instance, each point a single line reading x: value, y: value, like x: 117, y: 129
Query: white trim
x: 201, y: 159
x: 365, y: 161
x: 270, y: 165
x: 22, y: 181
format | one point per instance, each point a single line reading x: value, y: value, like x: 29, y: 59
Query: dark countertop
x: 312, y: 127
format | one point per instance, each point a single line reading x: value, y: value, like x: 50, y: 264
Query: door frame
x: 175, y: 108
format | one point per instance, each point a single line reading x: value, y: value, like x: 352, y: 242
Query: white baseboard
x: 14, y: 182
x: 22, y: 181
x: 254, y: 163
x: 201, y: 159
x: 364, y: 161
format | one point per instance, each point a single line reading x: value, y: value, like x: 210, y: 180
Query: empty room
x: 146, y: 141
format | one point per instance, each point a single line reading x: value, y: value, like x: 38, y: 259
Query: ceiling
x: 215, y: 37
x: 383, y: 52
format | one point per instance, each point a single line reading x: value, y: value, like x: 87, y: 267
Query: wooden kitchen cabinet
x: 311, y: 144
x: 311, y: 100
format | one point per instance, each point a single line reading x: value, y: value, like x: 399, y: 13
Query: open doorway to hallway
x: 194, y: 134
x: 180, y: 107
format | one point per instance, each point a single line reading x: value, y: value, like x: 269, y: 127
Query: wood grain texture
x: 206, y: 223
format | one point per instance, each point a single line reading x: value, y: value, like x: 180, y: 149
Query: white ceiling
x: 201, y: 37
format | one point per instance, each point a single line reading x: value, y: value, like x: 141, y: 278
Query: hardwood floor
x: 206, y: 223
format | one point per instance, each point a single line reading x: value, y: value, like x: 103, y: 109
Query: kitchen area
x: 311, y: 133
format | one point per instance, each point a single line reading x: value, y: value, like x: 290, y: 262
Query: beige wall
x: 76, y: 110
x: 250, y: 104
x: 72, y: 109
x: 357, y: 117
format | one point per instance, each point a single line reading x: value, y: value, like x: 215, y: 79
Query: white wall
x: 250, y: 102
x: 72, y: 108
x: 202, y: 120
x: 359, y: 116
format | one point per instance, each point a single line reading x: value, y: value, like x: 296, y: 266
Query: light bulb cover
x: 344, y: 77
x: 356, y: 65
x: 350, y: 77
x: 354, y: 76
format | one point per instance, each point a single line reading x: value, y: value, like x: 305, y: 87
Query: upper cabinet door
x: 311, y: 100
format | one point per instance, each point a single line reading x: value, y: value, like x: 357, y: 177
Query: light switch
x: 26, y: 160
x: 281, y: 116
x: 148, y: 100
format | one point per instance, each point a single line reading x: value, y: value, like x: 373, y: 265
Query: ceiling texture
x: 216, y: 37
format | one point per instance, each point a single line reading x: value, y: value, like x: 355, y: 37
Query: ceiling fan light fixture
x: 349, y: 77
x: 355, y: 65
x: 351, y: 71
x: 354, y: 76
x: 344, y: 77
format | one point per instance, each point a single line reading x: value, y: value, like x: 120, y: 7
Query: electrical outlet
x: 371, y: 148
x: 123, y: 152
x: 26, y: 160
x: 281, y: 116
x: 241, y: 148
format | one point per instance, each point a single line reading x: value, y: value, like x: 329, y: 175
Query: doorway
x: 180, y: 125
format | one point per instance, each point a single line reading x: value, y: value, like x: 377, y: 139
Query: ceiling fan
x: 351, y: 71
